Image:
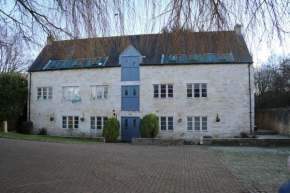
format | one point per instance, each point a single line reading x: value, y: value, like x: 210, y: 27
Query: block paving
x: 32, y: 166
x: 259, y: 169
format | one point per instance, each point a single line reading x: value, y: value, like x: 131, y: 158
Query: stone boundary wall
x: 101, y: 139
x: 274, y: 119
x: 158, y: 142
x: 215, y: 142
x: 248, y: 142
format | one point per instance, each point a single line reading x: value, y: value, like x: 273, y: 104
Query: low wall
x: 159, y: 142
x: 248, y: 142
x: 274, y: 119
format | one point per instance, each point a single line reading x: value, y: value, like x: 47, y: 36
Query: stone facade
x: 42, y: 110
x: 227, y: 96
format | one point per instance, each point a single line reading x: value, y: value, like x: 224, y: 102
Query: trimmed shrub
x: 243, y: 135
x: 149, y: 127
x: 42, y: 131
x: 27, y: 127
x: 207, y: 136
x: 111, y: 130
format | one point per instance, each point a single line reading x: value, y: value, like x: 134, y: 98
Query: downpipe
x: 29, y: 96
x: 250, y: 98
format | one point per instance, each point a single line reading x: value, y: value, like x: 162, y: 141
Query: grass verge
x: 46, y: 138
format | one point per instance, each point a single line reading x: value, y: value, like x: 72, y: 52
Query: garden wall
x: 274, y: 119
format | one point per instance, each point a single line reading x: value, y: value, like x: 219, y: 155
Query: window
x: 134, y: 122
x: 70, y: 92
x: 156, y: 91
x: 193, y: 57
x: 166, y: 123
x: 197, y: 123
x: 44, y: 93
x: 189, y: 123
x: 196, y: 90
x: 99, y: 92
x: 163, y: 90
x: 126, y: 91
x: 134, y: 91
x: 97, y: 123
x: 172, y: 58
x: 70, y: 122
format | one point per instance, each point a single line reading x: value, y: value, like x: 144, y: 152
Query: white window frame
x: 94, y: 92
x: 43, y: 95
x: 167, y: 123
x: 200, y: 90
x: 75, y: 96
x: 194, y: 123
x: 74, y: 119
x: 96, y: 122
x: 166, y: 91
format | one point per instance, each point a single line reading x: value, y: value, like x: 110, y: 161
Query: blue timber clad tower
x: 130, y: 92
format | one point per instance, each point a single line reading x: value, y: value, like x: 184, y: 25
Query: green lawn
x: 46, y: 138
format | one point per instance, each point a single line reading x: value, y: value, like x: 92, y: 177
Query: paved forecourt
x: 31, y: 166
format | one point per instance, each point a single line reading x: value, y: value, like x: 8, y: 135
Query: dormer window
x: 221, y: 58
x: 193, y: 57
x: 100, y: 61
x: 53, y: 64
x: 172, y: 58
x: 76, y: 63
x: 226, y: 57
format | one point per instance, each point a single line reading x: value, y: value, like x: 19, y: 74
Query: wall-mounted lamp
x: 114, y: 112
x: 52, y: 117
x: 83, y: 118
x: 179, y: 119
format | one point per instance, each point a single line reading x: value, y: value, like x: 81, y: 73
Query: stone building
x: 75, y: 85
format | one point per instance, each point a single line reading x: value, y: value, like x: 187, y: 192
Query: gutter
x: 29, y: 96
x: 250, y: 98
x: 196, y: 63
x: 95, y: 67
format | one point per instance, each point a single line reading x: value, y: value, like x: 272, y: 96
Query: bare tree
x: 91, y: 18
x: 272, y: 83
x: 13, y: 57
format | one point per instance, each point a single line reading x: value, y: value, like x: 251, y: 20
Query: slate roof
x: 152, y: 46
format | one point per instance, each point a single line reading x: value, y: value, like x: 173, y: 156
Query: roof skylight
x: 75, y: 63
x: 197, y: 58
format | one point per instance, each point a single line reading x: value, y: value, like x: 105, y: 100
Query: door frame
x: 128, y: 117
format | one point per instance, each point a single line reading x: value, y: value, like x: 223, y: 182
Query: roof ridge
x: 153, y: 34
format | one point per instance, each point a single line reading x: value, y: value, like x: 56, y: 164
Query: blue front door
x: 130, y: 128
